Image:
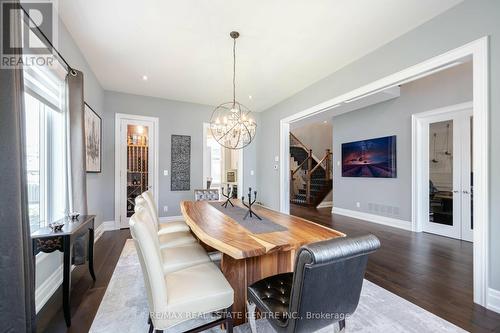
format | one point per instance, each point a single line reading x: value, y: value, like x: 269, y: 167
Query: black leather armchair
x: 324, y: 289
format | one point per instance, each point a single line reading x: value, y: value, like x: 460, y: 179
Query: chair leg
x: 229, y: 320
x: 251, y: 316
x: 151, y: 328
x: 342, y: 325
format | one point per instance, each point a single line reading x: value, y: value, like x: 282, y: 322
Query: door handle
x: 456, y: 191
x: 465, y: 192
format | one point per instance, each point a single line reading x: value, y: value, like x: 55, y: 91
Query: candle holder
x: 250, y: 212
x: 227, y: 196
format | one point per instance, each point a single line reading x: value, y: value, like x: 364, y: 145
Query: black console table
x: 47, y: 241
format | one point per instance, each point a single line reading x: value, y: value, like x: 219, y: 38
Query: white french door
x: 136, y: 163
x: 447, y: 169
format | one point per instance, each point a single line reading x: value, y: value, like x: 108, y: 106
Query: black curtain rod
x: 69, y: 69
x: 51, y: 46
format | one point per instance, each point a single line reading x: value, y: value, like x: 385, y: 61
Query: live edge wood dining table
x: 249, y: 257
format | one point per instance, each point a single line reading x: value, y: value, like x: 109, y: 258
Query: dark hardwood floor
x: 430, y: 271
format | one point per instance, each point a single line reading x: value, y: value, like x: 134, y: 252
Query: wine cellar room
x: 137, y: 164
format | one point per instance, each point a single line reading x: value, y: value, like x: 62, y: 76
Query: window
x: 215, y: 161
x: 45, y: 144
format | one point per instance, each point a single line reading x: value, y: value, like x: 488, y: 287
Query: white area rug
x: 124, y: 307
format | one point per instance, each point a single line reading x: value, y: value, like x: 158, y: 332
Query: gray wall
x: 94, y: 96
x: 316, y: 136
x: 174, y: 118
x: 452, y: 86
x: 464, y: 23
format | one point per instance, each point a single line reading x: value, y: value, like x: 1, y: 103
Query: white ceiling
x: 185, y: 50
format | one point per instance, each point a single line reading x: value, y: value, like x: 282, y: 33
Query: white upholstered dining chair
x: 178, y: 252
x: 183, y: 294
x: 167, y: 239
x: 172, y: 226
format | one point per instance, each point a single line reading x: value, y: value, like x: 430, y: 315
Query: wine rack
x: 137, y: 169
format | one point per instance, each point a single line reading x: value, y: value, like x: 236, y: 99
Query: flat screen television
x: 373, y: 158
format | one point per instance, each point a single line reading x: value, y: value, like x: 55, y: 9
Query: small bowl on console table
x: 56, y: 226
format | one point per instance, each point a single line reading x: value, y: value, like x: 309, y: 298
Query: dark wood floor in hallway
x: 431, y: 271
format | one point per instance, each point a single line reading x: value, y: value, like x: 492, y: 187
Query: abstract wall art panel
x: 180, y: 163
x: 93, y: 144
x: 373, y: 158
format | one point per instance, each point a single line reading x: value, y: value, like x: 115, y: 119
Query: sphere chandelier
x: 231, y: 123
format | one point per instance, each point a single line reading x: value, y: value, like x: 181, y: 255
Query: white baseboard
x: 389, y: 221
x: 166, y: 219
x: 48, y: 288
x: 493, y: 300
x: 98, y: 232
x: 325, y: 204
x: 104, y: 226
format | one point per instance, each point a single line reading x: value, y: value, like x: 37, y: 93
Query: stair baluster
x: 316, y: 177
x: 309, y: 169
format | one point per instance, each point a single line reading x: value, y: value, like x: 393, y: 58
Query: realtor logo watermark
x: 22, y: 42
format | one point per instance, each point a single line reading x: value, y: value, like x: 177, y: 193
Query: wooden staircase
x: 310, y: 178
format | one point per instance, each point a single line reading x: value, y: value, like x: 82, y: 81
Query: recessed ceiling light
x: 144, y: 78
x: 325, y: 121
x: 249, y: 96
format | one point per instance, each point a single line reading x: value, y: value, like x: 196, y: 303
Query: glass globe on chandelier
x: 231, y: 123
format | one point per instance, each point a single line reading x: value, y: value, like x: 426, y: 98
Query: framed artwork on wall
x: 93, y: 140
x: 373, y: 158
x: 180, y: 163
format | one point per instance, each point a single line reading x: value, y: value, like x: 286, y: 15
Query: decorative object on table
x: 93, y: 140
x: 209, y: 182
x: 74, y: 216
x: 206, y: 195
x: 180, y: 163
x: 374, y: 158
x: 227, y: 196
x: 234, y: 191
x: 56, y: 226
x: 231, y: 123
x: 250, y: 212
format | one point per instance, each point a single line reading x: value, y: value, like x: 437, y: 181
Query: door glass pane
x: 441, y: 172
x: 471, y: 174
x: 137, y: 164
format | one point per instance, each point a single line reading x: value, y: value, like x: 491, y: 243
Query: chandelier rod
x: 234, y: 70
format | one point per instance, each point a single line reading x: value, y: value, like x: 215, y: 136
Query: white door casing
x: 121, y: 122
x: 460, y: 116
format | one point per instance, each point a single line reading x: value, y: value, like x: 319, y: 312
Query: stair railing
x: 325, y: 163
x: 294, y: 141
x: 308, y: 161
x: 326, y: 160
